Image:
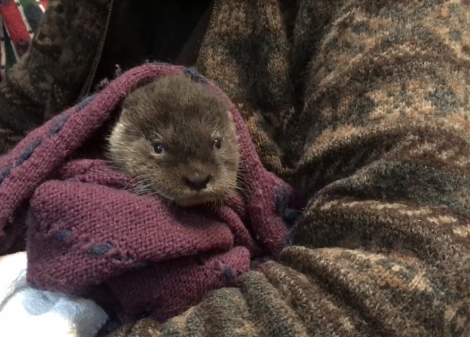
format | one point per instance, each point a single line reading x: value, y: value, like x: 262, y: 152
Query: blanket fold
x: 85, y: 229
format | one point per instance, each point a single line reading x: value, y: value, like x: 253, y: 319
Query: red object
x: 16, y: 27
x: 85, y: 228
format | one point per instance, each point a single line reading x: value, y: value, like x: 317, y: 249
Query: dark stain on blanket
x: 195, y: 75
x: 126, y: 257
x: 100, y: 250
x: 4, y: 172
x: 63, y: 235
x: 58, y: 125
x: 142, y: 264
x: 226, y: 270
x: 117, y: 256
x: 229, y: 273
x: 28, y: 152
x: 85, y: 102
x: 32, y: 221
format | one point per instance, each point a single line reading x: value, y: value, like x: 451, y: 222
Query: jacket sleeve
x: 49, y: 76
x: 383, y: 246
x: 24, y: 90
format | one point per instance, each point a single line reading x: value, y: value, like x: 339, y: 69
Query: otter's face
x: 182, y: 146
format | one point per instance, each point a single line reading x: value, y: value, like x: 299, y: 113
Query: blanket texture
x: 366, y: 104
x: 85, y: 229
x: 42, y: 313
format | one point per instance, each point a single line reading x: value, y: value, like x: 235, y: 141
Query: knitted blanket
x: 85, y: 229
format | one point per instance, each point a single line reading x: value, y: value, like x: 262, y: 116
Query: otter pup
x: 177, y: 138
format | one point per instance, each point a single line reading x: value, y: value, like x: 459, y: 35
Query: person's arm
x: 49, y: 77
x: 24, y: 90
x: 384, y: 245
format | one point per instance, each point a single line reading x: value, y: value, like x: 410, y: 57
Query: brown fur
x: 186, y: 119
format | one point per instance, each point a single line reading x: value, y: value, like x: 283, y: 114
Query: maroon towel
x: 84, y: 229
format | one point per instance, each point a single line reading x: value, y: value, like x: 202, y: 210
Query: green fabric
x: 32, y: 12
x: 10, y: 57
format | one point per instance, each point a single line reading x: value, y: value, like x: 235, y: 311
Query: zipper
x: 100, y: 50
x: 215, y: 7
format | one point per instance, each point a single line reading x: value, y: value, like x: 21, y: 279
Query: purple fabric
x: 85, y: 229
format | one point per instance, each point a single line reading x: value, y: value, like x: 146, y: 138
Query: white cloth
x: 25, y: 311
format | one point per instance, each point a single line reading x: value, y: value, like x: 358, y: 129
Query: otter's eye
x: 158, y: 148
x: 217, y: 144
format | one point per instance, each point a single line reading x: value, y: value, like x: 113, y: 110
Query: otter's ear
x: 131, y: 98
x: 123, y: 114
x: 126, y: 102
x: 128, y: 105
x: 232, y: 122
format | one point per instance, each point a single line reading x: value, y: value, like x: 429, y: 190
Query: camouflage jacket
x: 362, y: 103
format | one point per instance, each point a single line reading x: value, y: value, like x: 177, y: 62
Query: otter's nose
x: 197, y: 182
